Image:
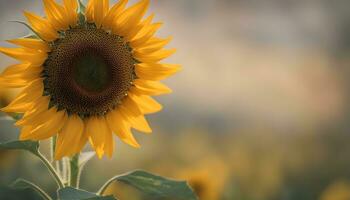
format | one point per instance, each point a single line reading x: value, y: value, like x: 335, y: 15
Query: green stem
x: 53, y: 161
x: 65, y: 170
x: 52, y: 148
x: 102, y: 190
x: 74, y: 171
x: 52, y: 170
x: 58, y: 168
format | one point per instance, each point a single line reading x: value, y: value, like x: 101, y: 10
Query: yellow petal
x: 49, y: 128
x: 153, y: 45
x: 37, y: 115
x: 18, y: 108
x: 15, y: 69
x: 137, y: 30
x: 29, y: 74
x: 42, y: 27
x: 17, y: 83
x: 96, y: 11
x: 120, y: 127
x: 19, y: 75
x: 155, y: 72
x: 131, y: 106
x: 153, y: 57
x: 30, y: 43
x: 41, y: 113
x: 155, y: 40
x: 136, y: 121
x: 71, y: 7
x: 126, y: 136
x: 113, y: 13
x: 89, y: 11
x: 29, y: 94
x: 151, y: 88
x: 130, y: 18
x: 36, y: 58
x: 25, y: 132
x: 56, y: 15
x: 145, y: 35
x: 20, y: 79
x: 37, y: 118
x: 145, y: 103
x: 69, y: 137
x: 105, y: 8
x: 101, y: 8
x: 24, y: 101
x: 97, y: 128
x: 32, y: 116
x: 83, y: 140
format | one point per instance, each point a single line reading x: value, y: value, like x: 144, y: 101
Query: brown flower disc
x: 88, y: 71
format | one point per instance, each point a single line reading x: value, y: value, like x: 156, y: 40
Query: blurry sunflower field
x: 258, y: 106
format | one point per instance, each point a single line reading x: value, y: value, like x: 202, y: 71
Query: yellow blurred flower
x: 256, y: 159
x: 122, y: 191
x: 339, y: 190
x: 207, y: 178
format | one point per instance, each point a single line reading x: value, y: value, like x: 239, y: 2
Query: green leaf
x: 82, y: 7
x: 6, y: 118
x: 12, y: 193
x: 70, y: 193
x: 33, y: 147
x: 31, y: 36
x: 30, y: 146
x: 102, y: 198
x: 156, y: 187
x: 75, y: 171
x: 22, y: 184
x: 82, y: 19
x: 81, y: 13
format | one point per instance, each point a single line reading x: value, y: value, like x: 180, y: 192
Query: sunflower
x: 207, y: 178
x: 339, y: 190
x: 88, y: 72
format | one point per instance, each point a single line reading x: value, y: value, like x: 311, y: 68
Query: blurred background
x: 259, y: 112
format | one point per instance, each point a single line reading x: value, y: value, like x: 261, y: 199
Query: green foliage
x: 22, y: 189
x: 151, y: 186
x: 81, y: 13
x: 70, y: 193
x: 30, y: 146
x: 20, y: 183
x: 81, y: 7
x: 155, y: 187
x: 11, y: 193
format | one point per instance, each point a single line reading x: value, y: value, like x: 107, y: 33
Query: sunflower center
x: 91, y: 72
x: 88, y: 71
